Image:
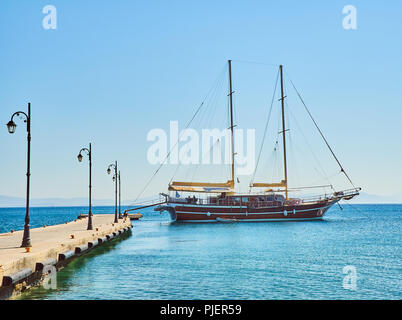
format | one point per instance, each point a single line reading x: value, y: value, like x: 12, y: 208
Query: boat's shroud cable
x: 265, y: 130
x: 172, y: 148
x: 322, y: 135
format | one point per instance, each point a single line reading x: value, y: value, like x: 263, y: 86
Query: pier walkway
x: 50, y: 241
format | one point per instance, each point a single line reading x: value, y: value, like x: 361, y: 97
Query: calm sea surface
x: 274, y: 260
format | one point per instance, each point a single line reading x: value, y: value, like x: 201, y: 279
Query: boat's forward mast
x: 284, y: 182
x: 211, y: 187
x: 231, y: 119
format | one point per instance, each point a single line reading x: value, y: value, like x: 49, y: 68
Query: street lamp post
x: 11, y: 126
x: 89, y: 152
x: 114, y: 166
x: 120, y: 216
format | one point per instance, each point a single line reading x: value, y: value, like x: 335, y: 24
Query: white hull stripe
x: 209, y: 206
x: 290, y: 212
x: 250, y: 220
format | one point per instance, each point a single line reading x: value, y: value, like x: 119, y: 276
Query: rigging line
x: 309, y: 187
x: 227, y: 166
x: 292, y: 146
x: 213, y: 101
x: 292, y: 156
x: 209, y: 100
x: 256, y: 62
x: 146, y: 202
x: 275, y: 153
x: 271, y: 160
x: 233, y: 119
x: 354, y: 207
x: 168, y: 154
x: 266, y: 126
x: 322, y: 135
x: 235, y: 116
x: 322, y: 173
x: 214, y: 104
x: 203, y: 156
x: 275, y: 170
x: 204, y: 117
x: 327, y: 178
x: 278, y: 164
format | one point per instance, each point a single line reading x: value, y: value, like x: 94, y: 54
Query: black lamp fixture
x: 114, y: 166
x: 79, y: 157
x: 11, y: 126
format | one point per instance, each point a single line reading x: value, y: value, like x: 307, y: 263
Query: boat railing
x: 335, y: 195
x: 223, y: 202
x: 190, y: 200
x: 213, y: 201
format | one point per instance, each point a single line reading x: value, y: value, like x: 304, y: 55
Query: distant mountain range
x: 6, y: 201
x: 372, y: 198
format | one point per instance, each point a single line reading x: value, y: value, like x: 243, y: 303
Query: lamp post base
x: 90, y: 225
x: 26, y: 239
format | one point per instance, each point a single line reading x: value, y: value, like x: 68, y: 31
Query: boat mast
x: 231, y: 118
x: 284, y: 134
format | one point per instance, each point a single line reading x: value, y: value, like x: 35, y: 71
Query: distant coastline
x: 17, y: 202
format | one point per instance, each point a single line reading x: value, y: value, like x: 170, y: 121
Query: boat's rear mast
x: 284, y: 134
x: 231, y: 118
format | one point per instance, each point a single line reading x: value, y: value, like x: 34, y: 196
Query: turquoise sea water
x: 274, y: 260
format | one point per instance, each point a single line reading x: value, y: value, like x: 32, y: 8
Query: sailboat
x: 223, y: 205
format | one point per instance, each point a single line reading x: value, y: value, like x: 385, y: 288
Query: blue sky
x: 113, y: 70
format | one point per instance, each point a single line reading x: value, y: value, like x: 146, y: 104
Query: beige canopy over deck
x: 205, y: 187
x: 270, y: 185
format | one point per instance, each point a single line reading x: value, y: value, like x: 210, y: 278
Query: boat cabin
x: 263, y: 200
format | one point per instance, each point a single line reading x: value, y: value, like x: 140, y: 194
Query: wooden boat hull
x: 205, y: 213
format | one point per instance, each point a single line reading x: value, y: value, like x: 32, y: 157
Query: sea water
x: 263, y: 260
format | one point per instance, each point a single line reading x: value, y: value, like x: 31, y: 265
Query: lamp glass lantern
x: 11, y: 126
x: 79, y: 157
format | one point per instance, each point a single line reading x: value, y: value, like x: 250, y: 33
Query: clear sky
x: 113, y: 70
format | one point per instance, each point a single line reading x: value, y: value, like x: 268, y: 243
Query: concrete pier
x: 58, y: 243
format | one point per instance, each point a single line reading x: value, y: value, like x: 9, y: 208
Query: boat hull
x: 204, y: 213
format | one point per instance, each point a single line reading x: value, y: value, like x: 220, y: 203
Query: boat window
x: 244, y: 199
x: 279, y: 197
x: 270, y: 198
